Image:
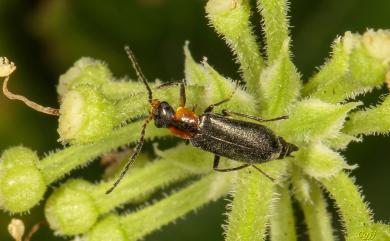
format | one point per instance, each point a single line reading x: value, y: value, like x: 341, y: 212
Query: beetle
x: 243, y: 141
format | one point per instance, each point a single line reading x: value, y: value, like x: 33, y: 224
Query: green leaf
x: 341, y: 140
x: 374, y: 120
x: 217, y: 87
x: 359, y: 64
x: 312, y: 119
x: 318, y: 160
x: 279, y: 85
x: 194, y: 72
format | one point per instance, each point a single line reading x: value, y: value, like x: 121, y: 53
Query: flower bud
x: 22, y: 185
x: 108, y: 229
x: 70, y: 210
x: 85, y: 115
x: 86, y: 71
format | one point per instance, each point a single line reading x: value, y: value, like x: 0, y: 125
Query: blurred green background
x: 44, y: 38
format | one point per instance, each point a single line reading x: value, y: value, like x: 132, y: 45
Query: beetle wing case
x: 235, y: 139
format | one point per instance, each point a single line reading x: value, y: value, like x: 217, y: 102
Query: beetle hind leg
x: 265, y: 174
x: 216, y: 163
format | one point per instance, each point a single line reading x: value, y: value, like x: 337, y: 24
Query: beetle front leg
x: 216, y: 163
x: 183, y: 98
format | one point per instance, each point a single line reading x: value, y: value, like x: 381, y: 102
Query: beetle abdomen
x: 239, y: 140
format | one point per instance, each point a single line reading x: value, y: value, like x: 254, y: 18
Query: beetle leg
x: 216, y: 163
x: 194, y: 107
x: 265, y: 174
x: 230, y: 113
x: 211, y: 107
x: 183, y: 98
x: 182, y: 84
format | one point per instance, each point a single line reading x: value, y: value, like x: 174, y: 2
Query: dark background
x: 44, y: 38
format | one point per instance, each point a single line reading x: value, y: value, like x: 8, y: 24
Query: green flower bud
x: 109, y: 229
x: 21, y: 183
x: 85, y: 71
x: 86, y: 115
x: 71, y: 210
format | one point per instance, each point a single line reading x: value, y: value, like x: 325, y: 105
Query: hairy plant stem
x: 252, y: 200
x: 355, y: 214
x: 282, y: 217
x: 58, y: 164
x: 132, y: 226
x: 314, y: 206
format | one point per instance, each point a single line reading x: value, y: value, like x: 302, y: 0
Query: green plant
x: 96, y: 113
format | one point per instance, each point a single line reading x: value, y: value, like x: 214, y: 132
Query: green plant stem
x: 231, y: 20
x: 138, y: 224
x: 252, y: 201
x: 282, y: 218
x: 355, y: 214
x: 138, y: 183
x: 275, y: 25
x: 280, y: 82
x: 58, y: 164
x: 279, y: 85
x: 63, y: 210
x: 317, y: 218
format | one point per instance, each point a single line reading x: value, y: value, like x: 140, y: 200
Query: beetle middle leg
x: 256, y: 118
x: 211, y: 107
x: 216, y: 163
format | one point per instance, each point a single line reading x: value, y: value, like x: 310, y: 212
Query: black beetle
x: 239, y: 140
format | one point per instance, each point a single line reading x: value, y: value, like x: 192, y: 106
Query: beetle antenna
x: 138, y: 71
x: 131, y: 160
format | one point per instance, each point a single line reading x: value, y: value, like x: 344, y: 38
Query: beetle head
x: 162, y: 113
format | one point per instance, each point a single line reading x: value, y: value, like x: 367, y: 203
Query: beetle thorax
x: 185, y: 123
